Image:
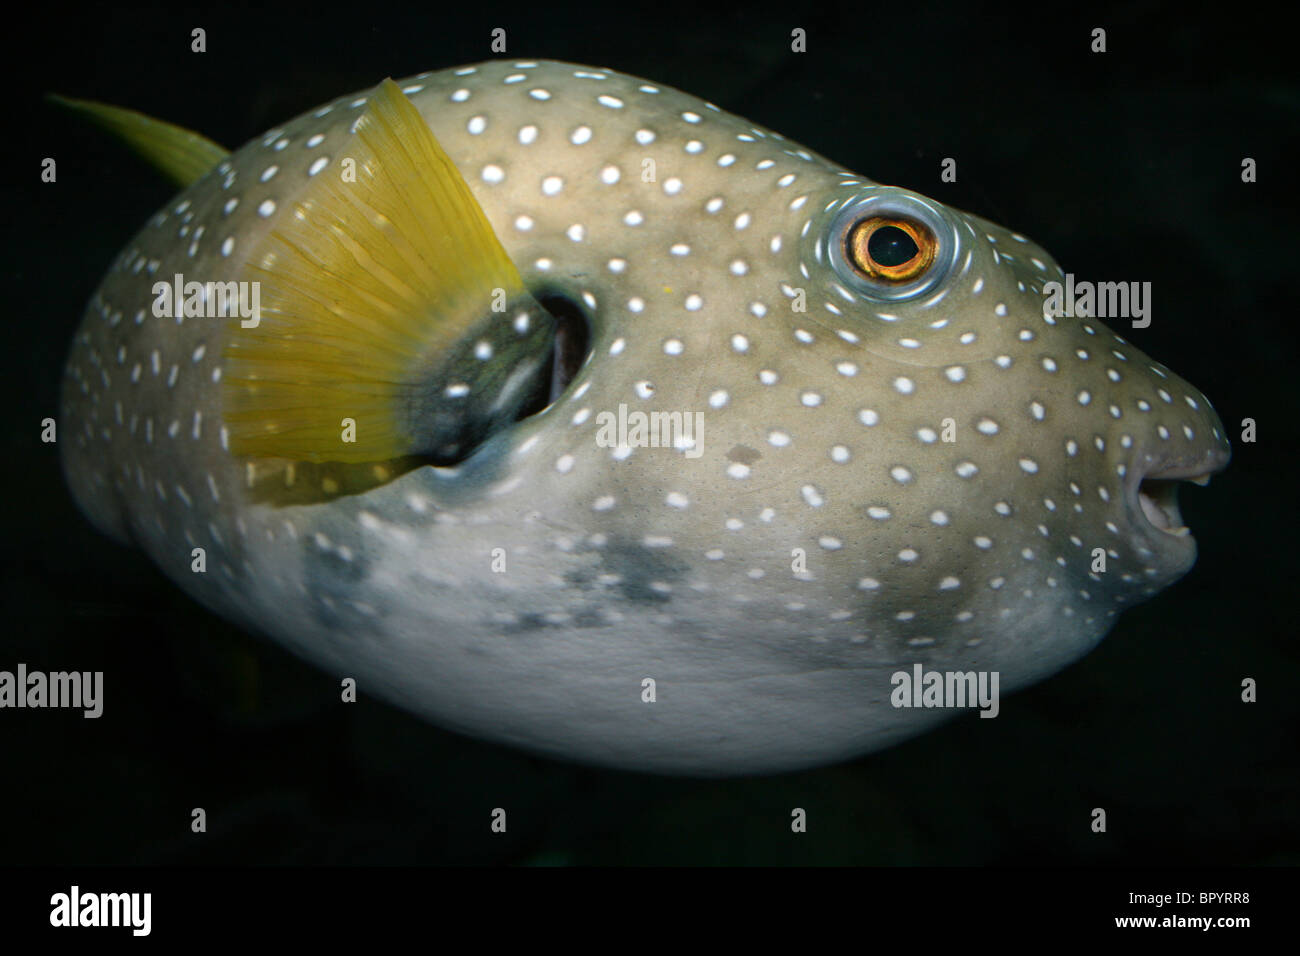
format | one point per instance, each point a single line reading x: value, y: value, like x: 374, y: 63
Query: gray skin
x: 824, y: 537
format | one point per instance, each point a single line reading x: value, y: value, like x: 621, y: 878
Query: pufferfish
x: 569, y: 411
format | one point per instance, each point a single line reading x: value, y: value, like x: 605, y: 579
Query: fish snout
x: 1185, y: 444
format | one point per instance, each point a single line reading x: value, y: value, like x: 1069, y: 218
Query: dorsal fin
x: 387, y: 301
x: 182, y: 155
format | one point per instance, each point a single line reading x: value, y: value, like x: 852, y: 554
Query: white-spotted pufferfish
x: 421, y: 458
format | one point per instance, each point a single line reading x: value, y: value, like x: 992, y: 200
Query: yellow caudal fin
x: 392, y: 323
x: 183, y: 156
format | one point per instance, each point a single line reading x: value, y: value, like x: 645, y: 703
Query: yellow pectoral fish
x: 571, y: 412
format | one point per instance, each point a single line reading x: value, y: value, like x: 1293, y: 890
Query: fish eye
x: 892, y: 246
x: 890, y: 250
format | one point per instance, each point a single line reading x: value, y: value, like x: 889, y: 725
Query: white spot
x: 812, y: 496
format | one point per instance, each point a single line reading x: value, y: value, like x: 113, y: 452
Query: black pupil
x: 891, y: 246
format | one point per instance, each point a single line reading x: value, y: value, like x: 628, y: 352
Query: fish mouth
x: 1154, y: 495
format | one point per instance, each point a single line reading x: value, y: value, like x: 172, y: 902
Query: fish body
x: 869, y: 468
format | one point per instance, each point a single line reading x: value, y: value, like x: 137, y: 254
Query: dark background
x: 1124, y: 165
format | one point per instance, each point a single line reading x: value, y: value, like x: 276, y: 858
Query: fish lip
x: 1151, y: 494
